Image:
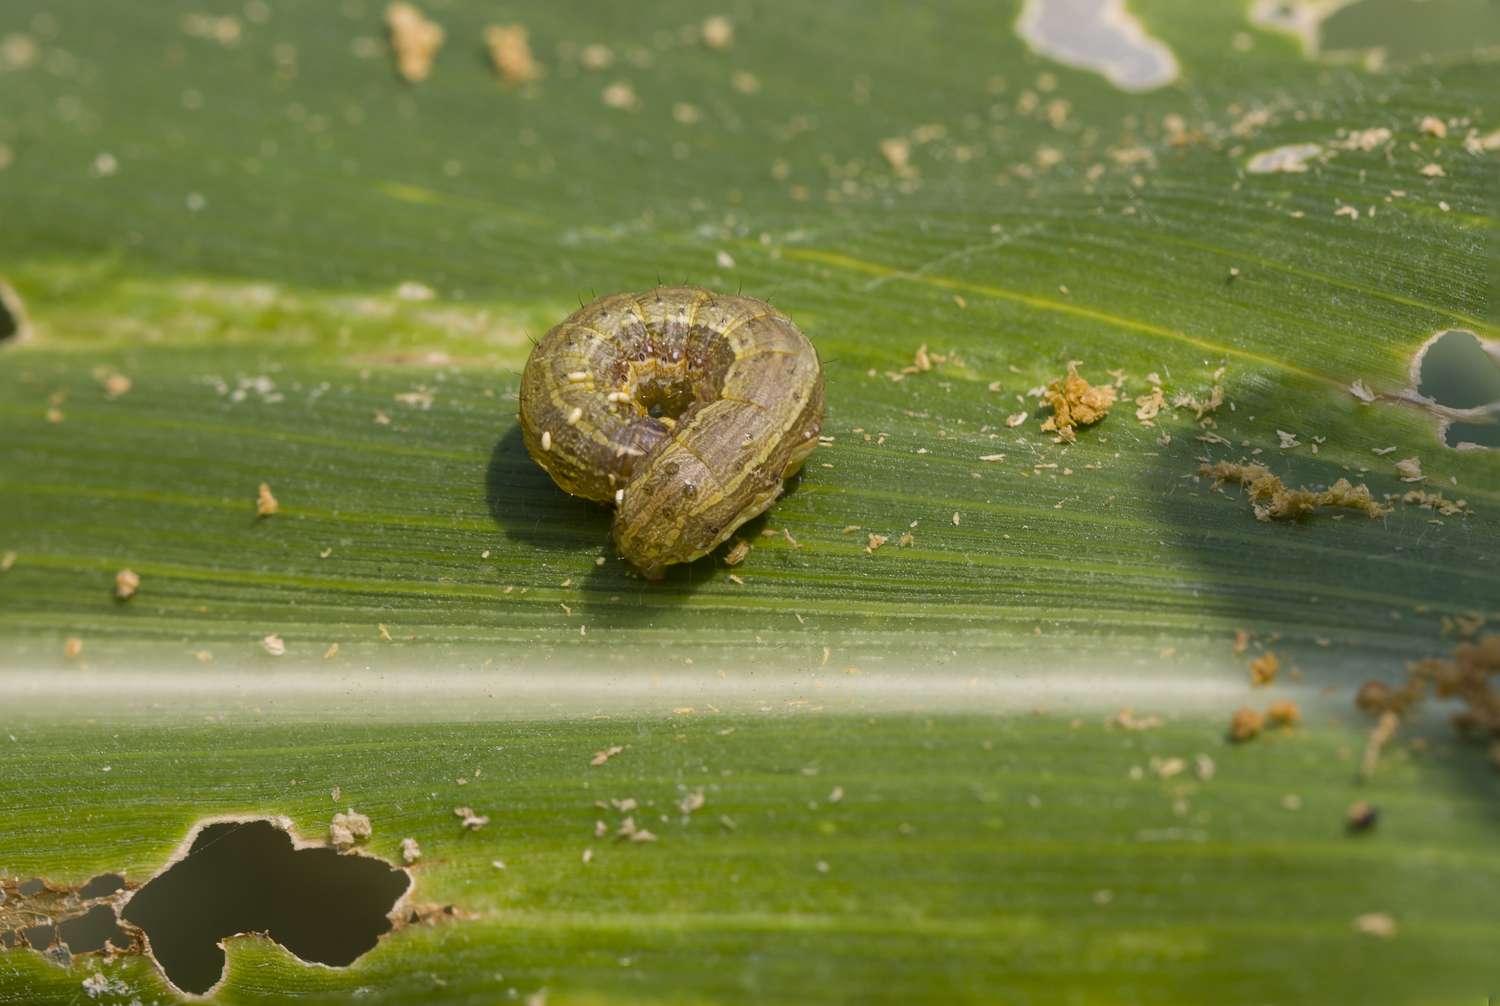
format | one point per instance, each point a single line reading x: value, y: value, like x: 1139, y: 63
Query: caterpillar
x: 685, y: 409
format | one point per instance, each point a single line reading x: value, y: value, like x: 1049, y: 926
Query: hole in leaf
x: 39, y: 937
x: 12, y: 314
x: 250, y: 877
x: 89, y: 932
x: 1477, y: 434
x: 1456, y: 371
x: 102, y: 886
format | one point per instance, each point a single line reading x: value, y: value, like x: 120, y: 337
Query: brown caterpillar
x: 684, y: 408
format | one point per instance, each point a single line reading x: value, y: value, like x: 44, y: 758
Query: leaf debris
x: 600, y: 757
x: 1246, y: 724
x: 1467, y: 676
x: 127, y: 582
x: 414, y: 39
x: 510, y: 52
x: 1263, y: 668
x: 265, y: 502
x: 1075, y: 403
x: 348, y: 829
x: 1272, y: 500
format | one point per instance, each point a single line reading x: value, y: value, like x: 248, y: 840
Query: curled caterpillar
x: 684, y: 408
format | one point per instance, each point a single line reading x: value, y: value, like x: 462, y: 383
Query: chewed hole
x: 39, y: 937
x: 88, y: 933
x: 12, y: 314
x: 1472, y: 434
x: 1457, y: 372
x: 251, y: 877
x: 102, y: 886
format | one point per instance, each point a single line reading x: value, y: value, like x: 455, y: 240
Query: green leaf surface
x: 321, y: 277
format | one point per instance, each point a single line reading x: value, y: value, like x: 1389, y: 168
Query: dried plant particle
x: 127, y: 582
x: 1374, y: 697
x: 1166, y: 768
x: 116, y: 385
x: 265, y: 502
x: 630, y: 831
x: 348, y: 829
x: 414, y: 39
x: 737, y: 552
x: 1149, y: 406
x: 469, y: 820
x: 897, y: 153
x: 874, y: 543
x: 1367, y: 139
x: 72, y: 647
x: 385, y: 634
x: 906, y: 540
x: 1126, y: 719
x: 1385, y: 728
x: 1288, y: 440
x: 1263, y: 668
x: 692, y: 801
x: 1361, y: 816
x: 596, y: 57
x: 687, y: 114
x: 1410, y: 470
x: 620, y: 95
x: 1241, y: 641
x: 1075, y: 403
x: 1361, y: 391
x: 745, y: 82
x: 1375, y: 924
x: 1468, y: 676
x: 600, y: 757
x: 410, y: 851
x: 1291, y: 159
x: 736, y: 579
x: 331, y: 652
x: 1201, y: 406
x: 274, y: 645
x: 1271, y: 499
x: 1015, y: 419
x: 1436, y: 501
x: 510, y: 51
x: 1433, y: 171
x: 718, y: 32
x: 1284, y: 714
x: 1245, y: 724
